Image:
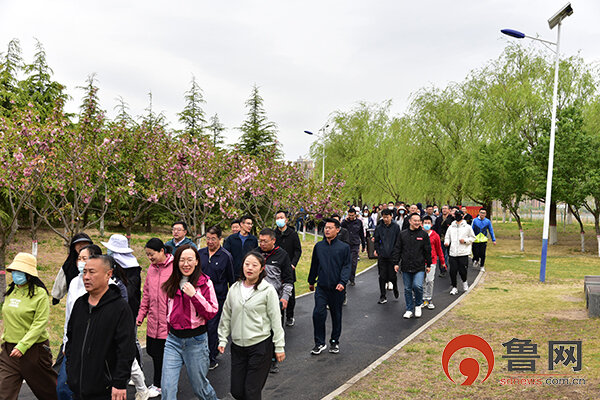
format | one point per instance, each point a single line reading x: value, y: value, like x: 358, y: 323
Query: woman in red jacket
x: 154, y: 305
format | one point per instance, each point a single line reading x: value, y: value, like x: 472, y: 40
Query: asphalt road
x: 369, y: 330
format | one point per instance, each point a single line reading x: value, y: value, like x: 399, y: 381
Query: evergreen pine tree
x: 216, y: 129
x: 258, y: 134
x: 192, y: 115
x: 10, y: 64
x: 39, y: 88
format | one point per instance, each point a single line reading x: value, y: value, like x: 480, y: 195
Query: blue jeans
x: 193, y: 352
x: 413, y: 282
x: 63, y: 391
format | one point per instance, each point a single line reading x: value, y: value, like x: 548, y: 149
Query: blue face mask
x: 427, y: 226
x: 280, y: 222
x: 19, y: 277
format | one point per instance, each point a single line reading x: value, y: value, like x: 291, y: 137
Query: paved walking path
x: 369, y: 330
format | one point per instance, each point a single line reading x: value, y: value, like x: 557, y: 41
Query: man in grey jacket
x: 279, y: 273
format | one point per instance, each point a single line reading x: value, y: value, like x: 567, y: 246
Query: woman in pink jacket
x: 154, y: 305
x: 191, y: 302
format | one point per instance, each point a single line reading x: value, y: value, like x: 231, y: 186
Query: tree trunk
x: 575, y: 212
x: 101, y: 228
x: 553, y: 233
x: 33, y: 229
x: 2, y: 270
x: 148, y: 222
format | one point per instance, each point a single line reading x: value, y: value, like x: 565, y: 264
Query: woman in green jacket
x: 25, y: 353
x: 250, y: 313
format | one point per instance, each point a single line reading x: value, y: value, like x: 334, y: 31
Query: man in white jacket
x: 459, y: 237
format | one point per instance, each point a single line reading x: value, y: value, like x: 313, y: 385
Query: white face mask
x: 280, y: 222
x: 80, y: 266
x: 390, y: 207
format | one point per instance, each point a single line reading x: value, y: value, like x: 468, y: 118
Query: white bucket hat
x: 118, y: 244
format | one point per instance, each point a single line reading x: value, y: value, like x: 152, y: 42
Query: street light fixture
x: 555, y: 20
x: 322, y: 136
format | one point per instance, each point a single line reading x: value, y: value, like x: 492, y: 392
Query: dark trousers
x: 250, y: 369
x: 354, y: 250
x: 334, y: 299
x: 156, y: 350
x: 35, y: 367
x: 211, y: 329
x: 445, y: 250
x: 289, y: 311
x: 458, y: 264
x: 385, y: 266
x: 479, y: 252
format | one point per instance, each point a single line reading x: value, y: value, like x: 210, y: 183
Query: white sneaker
x: 465, y: 286
x: 131, y: 383
x: 475, y: 264
x: 408, y: 314
x: 142, y: 395
x: 418, y: 311
x: 430, y: 306
x: 482, y: 269
x: 454, y: 291
x: 154, y: 391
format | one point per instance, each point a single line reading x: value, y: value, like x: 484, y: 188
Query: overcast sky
x: 309, y: 58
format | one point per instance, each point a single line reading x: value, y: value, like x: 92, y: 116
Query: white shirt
x: 246, y: 291
x: 76, y: 290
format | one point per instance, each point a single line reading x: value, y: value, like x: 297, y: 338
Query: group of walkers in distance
x: 238, y: 292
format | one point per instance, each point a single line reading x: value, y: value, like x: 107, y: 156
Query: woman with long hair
x: 154, y: 305
x: 25, y: 353
x: 252, y: 317
x: 191, y: 301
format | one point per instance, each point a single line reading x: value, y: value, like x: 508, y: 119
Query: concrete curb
x: 400, y: 345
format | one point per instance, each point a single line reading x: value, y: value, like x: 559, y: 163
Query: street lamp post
x: 555, y: 20
x: 321, y: 136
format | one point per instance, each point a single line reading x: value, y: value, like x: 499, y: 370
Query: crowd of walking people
x: 238, y: 292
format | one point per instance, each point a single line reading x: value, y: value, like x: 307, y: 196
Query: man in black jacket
x: 101, y: 339
x: 238, y: 244
x: 330, y: 269
x: 413, y: 252
x: 386, y: 234
x: 287, y: 239
x: 278, y: 273
x: 356, y: 235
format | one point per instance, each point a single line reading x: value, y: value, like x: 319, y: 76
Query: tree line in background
x: 483, y: 139
x: 74, y: 172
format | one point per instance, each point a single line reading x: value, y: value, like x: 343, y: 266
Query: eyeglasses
x: 212, y: 239
x: 186, y: 260
x: 177, y: 230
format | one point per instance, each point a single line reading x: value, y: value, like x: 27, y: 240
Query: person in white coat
x: 459, y: 238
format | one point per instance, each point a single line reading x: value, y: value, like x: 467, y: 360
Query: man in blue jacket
x: 238, y: 244
x: 481, y: 225
x: 179, y: 230
x: 217, y: 263
x: 330, y: 269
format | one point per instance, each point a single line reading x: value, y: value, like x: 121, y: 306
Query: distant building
x: 306, y: 165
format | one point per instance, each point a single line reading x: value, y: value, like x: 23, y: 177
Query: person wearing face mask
x: 459, y: 238
x: 25, y: 353
x: 69, y: 270
x: 76, y: 290
x: 287, y: 238
x: 400, y: 217
x: 436, y: 255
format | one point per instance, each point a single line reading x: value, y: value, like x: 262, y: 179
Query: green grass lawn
x: 52, y: 253
x: 509, y: 302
